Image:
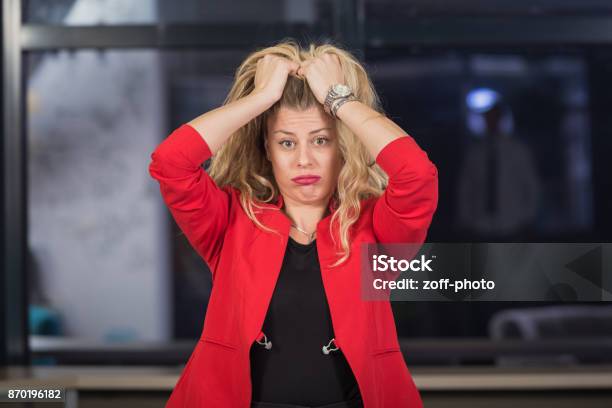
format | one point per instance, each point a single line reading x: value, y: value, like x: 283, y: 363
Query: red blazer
x: 245, y: 262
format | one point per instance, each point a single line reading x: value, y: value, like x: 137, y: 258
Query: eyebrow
x: 291, y: 133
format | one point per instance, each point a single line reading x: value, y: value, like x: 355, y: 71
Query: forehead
x: 298, y: 121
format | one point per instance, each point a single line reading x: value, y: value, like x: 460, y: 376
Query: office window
x: 112, y: 12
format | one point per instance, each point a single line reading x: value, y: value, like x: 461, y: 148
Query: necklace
x: 309, y: 235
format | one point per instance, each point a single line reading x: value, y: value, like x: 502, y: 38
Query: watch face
x: 342, y: 90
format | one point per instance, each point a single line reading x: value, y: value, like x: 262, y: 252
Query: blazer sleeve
x: 199, y: 207
x: 403, y: 213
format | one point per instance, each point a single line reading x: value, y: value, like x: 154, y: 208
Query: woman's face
x: 304, y: 143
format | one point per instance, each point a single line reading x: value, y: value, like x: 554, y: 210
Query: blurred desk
x: 477, y: 386
x: 524, y: 387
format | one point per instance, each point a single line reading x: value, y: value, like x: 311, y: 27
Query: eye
x: 283, y: 143
x: 321, y: 140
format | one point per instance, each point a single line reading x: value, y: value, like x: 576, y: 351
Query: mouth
x: 305, y: 180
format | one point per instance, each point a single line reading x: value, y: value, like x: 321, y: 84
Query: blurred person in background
x: 499, y: 186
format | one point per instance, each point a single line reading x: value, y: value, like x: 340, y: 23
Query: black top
x: 298, y: 323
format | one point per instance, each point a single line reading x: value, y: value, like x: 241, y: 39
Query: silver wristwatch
x: 336, y: 94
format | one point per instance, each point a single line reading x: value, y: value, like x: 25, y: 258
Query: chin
x: 316, y: 197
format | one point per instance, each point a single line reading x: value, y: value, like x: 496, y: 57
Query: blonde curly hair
x: 360, y: 178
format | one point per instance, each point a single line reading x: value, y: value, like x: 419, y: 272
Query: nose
x: 304, y: 156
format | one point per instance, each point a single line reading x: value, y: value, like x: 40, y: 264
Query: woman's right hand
x: 271, y: 75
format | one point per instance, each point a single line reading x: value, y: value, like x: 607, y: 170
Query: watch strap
x: 329, y: 98
x: 339, y: 102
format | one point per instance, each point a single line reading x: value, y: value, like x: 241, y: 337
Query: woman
x: 302, y: 155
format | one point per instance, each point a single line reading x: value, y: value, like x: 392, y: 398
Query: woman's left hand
x: 321, y: 73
